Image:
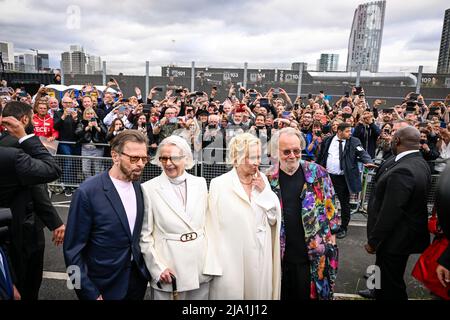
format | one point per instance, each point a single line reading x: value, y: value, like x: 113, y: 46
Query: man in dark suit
x: 104, y: 226
x: 6, y: 283
x: 443, y: 212
x: 39, y: 212
x: 340, y: 154
x: 399, y: 215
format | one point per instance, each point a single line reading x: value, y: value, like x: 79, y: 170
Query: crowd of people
x: 243, y: 238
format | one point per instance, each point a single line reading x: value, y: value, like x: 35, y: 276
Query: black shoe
x: 367, y: 293
x: 341, y: 234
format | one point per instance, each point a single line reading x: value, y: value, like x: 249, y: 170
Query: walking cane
x: 174, y: 287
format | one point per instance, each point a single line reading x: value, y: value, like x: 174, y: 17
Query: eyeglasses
x: 173, y: 159
x: 135, y: 159
x: 296, y: 152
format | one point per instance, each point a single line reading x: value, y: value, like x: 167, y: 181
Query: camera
x: 173, y: 120
x: 160, y: 89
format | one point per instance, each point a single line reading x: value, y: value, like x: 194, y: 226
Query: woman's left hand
x: 258, y: 182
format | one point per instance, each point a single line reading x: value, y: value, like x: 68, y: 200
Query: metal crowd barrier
x: 77, y: 169
x: 360, y: 200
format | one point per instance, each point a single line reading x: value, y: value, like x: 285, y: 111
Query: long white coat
x: 194, y: 262
x: 249, y: 234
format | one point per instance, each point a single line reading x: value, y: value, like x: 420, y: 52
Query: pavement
x: 352, y: 266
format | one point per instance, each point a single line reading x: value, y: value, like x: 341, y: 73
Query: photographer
x: 65, y: 121
x: 313, y: 139
x: 91, y: 131
x: 168, y: 124
x: 145, y: 127
x: 427, y: 149
x: 118, y: 112
x: 383, y: 150
x: 367, y: 132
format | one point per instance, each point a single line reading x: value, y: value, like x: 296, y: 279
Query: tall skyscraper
x: 77, y: 61
x: 444, y: 50
x: 365, y: 37
x: 7, y: 51
x: 25, y: 63
x: 328, y: 62
x: 43, y: 61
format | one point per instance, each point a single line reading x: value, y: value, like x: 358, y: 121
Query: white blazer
x: 166, y: 224
x: 249, y: 233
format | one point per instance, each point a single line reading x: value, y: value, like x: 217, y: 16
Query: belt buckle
x: 188, y: 236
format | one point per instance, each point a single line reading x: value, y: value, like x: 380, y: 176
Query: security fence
x: 77, y: 169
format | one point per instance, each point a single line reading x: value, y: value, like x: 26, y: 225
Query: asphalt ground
x: 352, y: 265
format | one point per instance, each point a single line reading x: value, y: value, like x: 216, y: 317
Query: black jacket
x: 66, y: 127
x: 18, y: 171
x: 398, y: 214
x: 92, y: 135
x: 443, y: 211
x: 353, y: 153
x: 368, y: 135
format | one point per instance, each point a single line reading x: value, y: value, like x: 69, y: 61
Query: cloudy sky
x: 263, y: 32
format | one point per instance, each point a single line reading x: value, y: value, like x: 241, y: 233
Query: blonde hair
x: 89, y: 110
x: 239, y: 147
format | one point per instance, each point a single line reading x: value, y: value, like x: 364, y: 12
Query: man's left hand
x: 58, y: 235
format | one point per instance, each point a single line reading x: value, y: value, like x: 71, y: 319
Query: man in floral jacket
x: 309, y: 220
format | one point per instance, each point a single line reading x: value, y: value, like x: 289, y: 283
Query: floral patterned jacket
x: 320, y: 220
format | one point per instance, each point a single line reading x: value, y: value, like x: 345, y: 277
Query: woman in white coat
x: 247, y: 215
x: 174, y: 238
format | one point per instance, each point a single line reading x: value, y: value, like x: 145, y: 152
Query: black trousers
x: 392, y: 269
x: 30, y: 279
x: 343, y: 194
x: 295, y: 281
x: 137, y: 285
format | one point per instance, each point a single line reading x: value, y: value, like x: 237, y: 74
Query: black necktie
x: 341, y: 154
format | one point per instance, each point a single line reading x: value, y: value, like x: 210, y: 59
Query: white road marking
x: 358, y: 224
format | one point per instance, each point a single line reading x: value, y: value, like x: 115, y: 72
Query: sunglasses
x: 296, y: 152
x: 135, y: 159
x: 173, y: 159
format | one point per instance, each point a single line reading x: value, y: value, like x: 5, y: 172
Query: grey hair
x: 275, y: 140
x: 181, y: 144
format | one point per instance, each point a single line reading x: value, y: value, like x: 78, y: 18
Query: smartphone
x: 160, y: 89
x: 264, y: 102
x: 199, y: 93
x: 214, y: 87
x: 347, y: 94
x: 276, y: 91
x: 146, y: 108
x: 122, y: 108
x: 358, y: 90
x: 173, y: 120
x: 285, y: 114
x: 125, y: 100
x: 93, y: 120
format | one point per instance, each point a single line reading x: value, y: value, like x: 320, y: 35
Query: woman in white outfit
x: 247, y: 216
x: 174, y: 239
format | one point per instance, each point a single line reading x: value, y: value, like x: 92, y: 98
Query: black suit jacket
x: 399, y: 210
x: 18, y: 170
x: 98, y: 239
x: 443, y: 211
x: 353, y: 153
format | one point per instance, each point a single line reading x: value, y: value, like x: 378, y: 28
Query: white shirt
x: 128, y: 197
x: 179, y: 188
x: 333, y: 163
x: 404, y: 153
